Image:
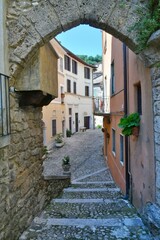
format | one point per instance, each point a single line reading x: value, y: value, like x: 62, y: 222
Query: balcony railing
x: 101, y: 105
x: 4, y: 105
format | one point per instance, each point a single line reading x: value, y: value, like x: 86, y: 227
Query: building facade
x: 72, y: 109
x: 128, y: 85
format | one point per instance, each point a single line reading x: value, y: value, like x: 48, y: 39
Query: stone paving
x: 92, y: 207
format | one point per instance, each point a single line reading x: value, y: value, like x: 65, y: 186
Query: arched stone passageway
x: 31, y: 24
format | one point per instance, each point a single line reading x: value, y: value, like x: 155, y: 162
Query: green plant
x: 68, y: 133
x: 66, y: 160
x: 128, y: 122
x: 99, y: 126
x: 45, y: 150
x: 147, y: 24
x: 59, y: 138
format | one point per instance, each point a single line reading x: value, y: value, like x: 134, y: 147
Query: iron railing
x: 101, y: 105
x: 4, y: 105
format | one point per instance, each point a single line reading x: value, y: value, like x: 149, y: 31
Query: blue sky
x: 82, y: 40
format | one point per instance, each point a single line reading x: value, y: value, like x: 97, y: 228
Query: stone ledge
x: 57, y: 177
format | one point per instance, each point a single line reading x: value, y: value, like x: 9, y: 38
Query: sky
x: 82, y: 40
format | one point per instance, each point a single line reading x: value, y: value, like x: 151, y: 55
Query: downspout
x: 126, y: 113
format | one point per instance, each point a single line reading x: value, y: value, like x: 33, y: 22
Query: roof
x: 76, y: 57
x: 97, y: 74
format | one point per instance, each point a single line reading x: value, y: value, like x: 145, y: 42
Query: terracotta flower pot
x: 66, y: 167
x: 135, y: 131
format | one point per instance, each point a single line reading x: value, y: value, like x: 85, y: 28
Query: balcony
x: 101, y: 106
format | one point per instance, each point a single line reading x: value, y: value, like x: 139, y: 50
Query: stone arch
x: 32, y: 23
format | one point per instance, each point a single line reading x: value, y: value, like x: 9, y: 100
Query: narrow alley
x: 93, y: 206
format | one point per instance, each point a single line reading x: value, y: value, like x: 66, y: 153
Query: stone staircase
x: 88, y: 210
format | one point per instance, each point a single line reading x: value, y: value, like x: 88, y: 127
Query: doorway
x: 87, y: 122
x: 76, y: 122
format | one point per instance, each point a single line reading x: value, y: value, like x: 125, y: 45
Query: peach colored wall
x: 116, y: 167
x: 116, y: 112
x: 141, y: 150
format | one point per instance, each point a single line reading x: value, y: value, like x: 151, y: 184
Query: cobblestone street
x: 93, y: 206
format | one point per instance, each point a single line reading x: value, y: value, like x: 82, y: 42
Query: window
x: 62, y: 94
x: 70, y: 111
x: 54, y: 132
x: 74, y: 67
x: 68, y: 85
x: 74, y: 87
x: 87, y: 72
x: 139, y: 99
x: 61, y: 64
x: 86, y: 91
x: 113, y: 141
x: 67, y: 63
x: 121, y: 149
x: 4, y: 106
x: 112, y: 79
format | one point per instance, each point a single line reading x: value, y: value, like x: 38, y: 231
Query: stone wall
x: 23, y: 190
x: 156, y: 111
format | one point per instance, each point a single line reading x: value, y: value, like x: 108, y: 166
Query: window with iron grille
x: 121, y: 149
x: 74, y: 87
x: 86, y: 90
x: 70, y: 111
x: 67, y: 63
x: 139, y: 99
x: 54, y: 131
x: 74, y: 67
x: 112, y: 79
x: 68, y: 85
x: 87, y: 72
x: 113, y: 141
x: 4, y: 106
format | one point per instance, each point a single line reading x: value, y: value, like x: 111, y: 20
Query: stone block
x: 158, y: 173
x: 156, y: 93
x: 157, y: 123
x: 157, y: 108
x: 151, y: 213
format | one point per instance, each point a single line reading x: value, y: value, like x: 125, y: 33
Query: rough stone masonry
x: 30, y: 24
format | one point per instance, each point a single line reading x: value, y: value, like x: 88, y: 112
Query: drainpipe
x: 126, y: 112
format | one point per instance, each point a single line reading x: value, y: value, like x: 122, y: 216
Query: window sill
x: 114, y: 154
x: 4, y: 141
x: 122, y: 163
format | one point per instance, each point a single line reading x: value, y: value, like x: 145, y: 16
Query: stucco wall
x: 142, y: 164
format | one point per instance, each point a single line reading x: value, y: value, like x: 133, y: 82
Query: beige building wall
x: 55, y: 111
x: 79, y: 103
x: 106, y: 48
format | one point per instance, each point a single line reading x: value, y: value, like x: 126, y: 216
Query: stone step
x: 91, y: 193
x: 99, y: 184
x: 89, y: 208
x: 103, y: 229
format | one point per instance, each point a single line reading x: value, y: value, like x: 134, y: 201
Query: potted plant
x: 59, y: 140
x: 68, y: 133
x: 130, y: 124
x: 66, y: 164
x: 44, y: 152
